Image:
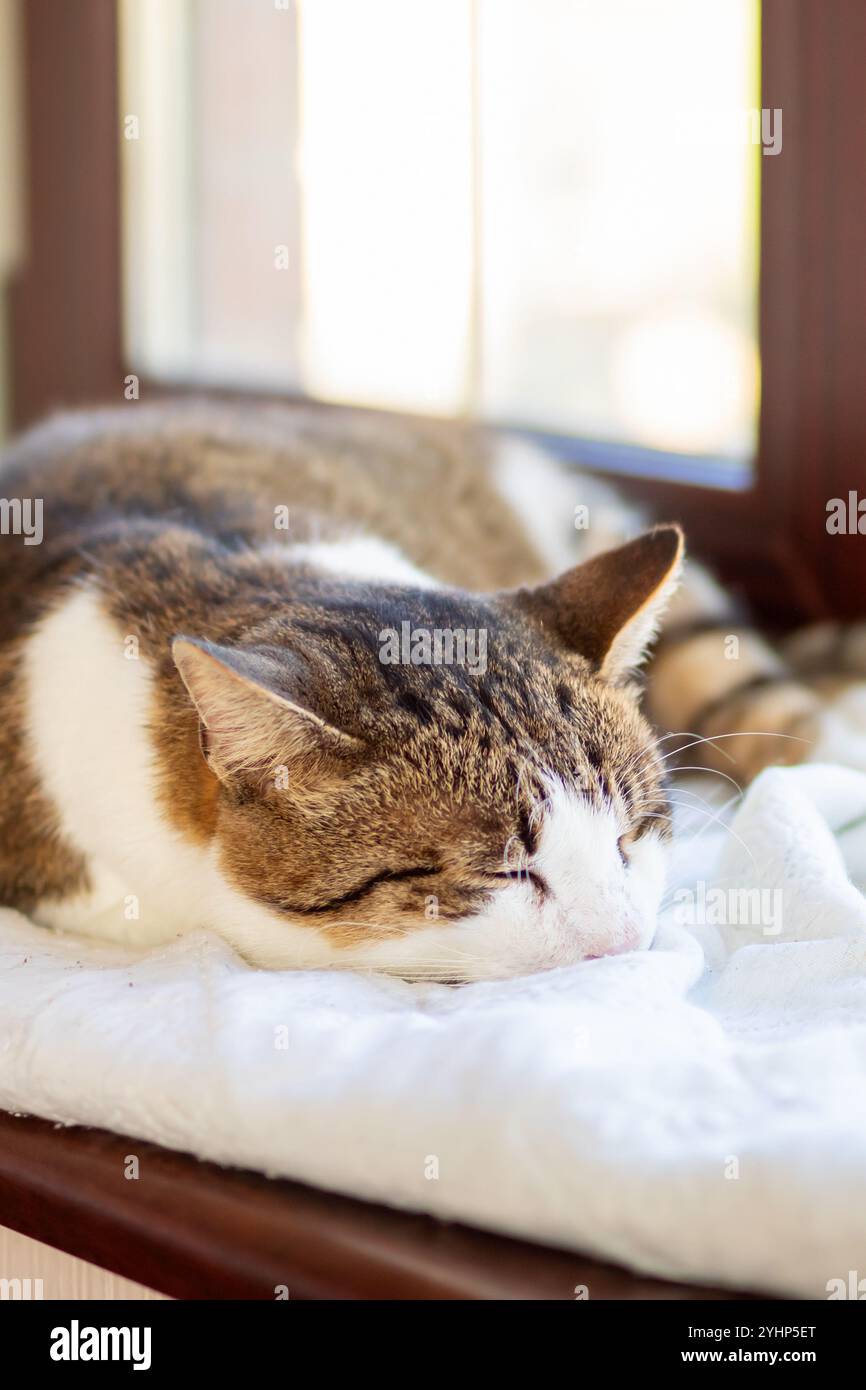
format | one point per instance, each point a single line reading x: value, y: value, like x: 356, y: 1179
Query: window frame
x: 765, y: 534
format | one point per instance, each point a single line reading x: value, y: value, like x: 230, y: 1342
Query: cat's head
x: 497, y: 811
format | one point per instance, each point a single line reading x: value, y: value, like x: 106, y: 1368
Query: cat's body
x: 218, y: 581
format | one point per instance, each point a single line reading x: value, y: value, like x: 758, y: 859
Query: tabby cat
x: 302, y: 676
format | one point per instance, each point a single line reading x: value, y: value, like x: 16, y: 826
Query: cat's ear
x: 249, y: 726
x: 608, y: 609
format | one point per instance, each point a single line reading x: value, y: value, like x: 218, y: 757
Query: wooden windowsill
x: 193, y: 1230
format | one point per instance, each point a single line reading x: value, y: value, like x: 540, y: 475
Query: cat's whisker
x: 698, y: 802
x: 538, y: 810
x: 713, y: 771
x: 734, y: 836
x: 668, y: 896
x: 446, y: 954
x: 714, y: 818
x: 737, y: 733
x: 687, y: 733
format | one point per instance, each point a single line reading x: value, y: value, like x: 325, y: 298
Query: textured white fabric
x: 698, y: 1111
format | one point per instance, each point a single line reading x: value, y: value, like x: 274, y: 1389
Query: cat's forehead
x: 502, y: 747
x: 467, y: 688
x: 423, y: 660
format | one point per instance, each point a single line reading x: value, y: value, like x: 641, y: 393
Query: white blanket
x: 697, y: 1112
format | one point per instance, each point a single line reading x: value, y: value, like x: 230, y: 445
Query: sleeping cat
x: 241, y: 688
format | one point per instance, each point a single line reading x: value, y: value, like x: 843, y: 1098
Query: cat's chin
x: 434, y: 957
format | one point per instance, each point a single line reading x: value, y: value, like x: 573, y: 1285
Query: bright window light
x: 543, y: 215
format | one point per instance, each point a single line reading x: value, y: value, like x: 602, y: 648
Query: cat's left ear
x: 254, y: 718
x: 608, y: 609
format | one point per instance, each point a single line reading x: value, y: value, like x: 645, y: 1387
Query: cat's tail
x: 744, y: 703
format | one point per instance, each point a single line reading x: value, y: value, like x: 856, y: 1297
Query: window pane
x: 619, y: 248
x: 209, y: 111
x: 387, y: 200
x: 543, y: 214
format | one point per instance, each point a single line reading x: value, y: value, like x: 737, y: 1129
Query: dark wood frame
x: 769, y: 537
x: 193, y: 1230
x: 65, y: 305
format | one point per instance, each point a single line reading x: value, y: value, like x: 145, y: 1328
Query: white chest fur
x: 89, y: 706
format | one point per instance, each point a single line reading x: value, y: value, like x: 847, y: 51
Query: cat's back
x: 240, y: 471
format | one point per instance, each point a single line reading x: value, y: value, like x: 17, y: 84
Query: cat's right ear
x: 250, y: 728
x: 608, y: 609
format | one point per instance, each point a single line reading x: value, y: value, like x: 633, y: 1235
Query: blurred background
x: 631, y: 228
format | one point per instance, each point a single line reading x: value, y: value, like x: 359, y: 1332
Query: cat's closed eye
x: 522, y: 876
x: 356, y: 893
